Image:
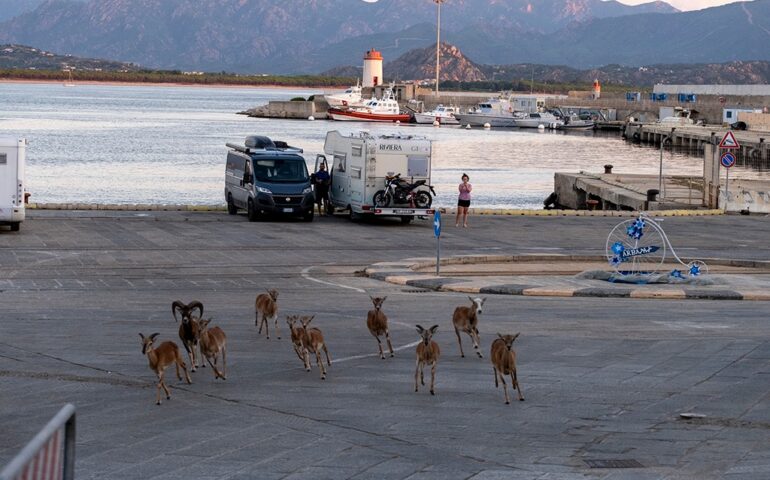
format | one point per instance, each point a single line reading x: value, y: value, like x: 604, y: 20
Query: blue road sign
x: 437, y: 223
x: 728, y: 159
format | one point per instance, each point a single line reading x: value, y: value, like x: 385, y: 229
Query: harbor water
x: 126, y: 144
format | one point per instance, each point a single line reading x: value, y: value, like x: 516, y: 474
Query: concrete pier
x: 754, y: 145
x: 627, y: 192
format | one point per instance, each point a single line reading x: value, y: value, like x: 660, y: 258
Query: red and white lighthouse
x: 372, y: 69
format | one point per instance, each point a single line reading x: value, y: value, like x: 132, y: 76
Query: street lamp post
x: 666, y: 138
x: 438, y: 38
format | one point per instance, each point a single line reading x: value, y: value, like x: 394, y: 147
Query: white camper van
x: 361, y: 164
x: 12, y: 161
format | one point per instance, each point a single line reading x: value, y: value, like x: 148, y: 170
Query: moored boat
x: 536, y: 119
x: 444, y: 115
x: 496, y: 112
x: 349, y: 98
x: 385, y: 109
x: 575, y: 122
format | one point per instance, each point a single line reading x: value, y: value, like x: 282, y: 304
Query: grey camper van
x: 265, y: 177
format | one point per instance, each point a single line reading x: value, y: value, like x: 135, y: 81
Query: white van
x: 12, y: 163
x: 360, y: 164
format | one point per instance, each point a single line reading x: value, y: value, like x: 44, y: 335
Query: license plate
x: 288, y: 210
x: 403, y: 211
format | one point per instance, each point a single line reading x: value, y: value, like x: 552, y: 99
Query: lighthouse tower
x: 372, y: 69
x: 597, y: 89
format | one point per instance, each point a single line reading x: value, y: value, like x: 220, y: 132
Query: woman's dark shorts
x: 464, y: 203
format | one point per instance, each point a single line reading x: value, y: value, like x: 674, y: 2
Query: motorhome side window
x: 3, y: 158
x: 339, y: 163
x: 357, y: 150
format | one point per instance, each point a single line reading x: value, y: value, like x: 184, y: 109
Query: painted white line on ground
x: 358, y: 357
x: 306, y: 275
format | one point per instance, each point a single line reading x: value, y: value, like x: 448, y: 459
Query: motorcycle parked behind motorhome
x: 401, y: 192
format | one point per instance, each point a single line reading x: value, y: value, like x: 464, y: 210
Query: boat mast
x: 438, y: 38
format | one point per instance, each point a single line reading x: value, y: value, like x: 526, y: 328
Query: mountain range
x: 420, y: 64
x: 310, y: 36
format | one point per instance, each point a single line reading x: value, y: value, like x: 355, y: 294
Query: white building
x: 737, y: 90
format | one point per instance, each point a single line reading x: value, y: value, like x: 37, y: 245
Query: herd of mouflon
x: 204, y: 342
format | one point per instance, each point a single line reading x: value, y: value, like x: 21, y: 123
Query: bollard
x: 608, y: 168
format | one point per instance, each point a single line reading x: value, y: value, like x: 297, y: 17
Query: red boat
x: 383, y: 110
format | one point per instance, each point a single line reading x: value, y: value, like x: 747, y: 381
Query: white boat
x: 682, y: 116
x: 444, y: 115
x: 575, y: 122
x: 497, y: 112
x: 349, y: 98
x: 385, y: 109
x: 535, y: 120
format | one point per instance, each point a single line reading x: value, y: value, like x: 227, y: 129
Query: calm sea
x: 158, y: 144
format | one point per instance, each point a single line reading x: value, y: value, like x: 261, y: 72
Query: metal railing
x: 47, y: 456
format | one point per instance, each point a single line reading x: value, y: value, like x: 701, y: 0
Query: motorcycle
x: 399, y: 192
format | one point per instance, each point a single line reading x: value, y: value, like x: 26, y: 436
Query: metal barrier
x: 48, y: 456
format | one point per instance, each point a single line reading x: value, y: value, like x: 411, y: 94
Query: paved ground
x: 558, y: 275
x: 604, y: 379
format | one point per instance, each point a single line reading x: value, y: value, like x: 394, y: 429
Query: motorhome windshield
x: 280, y: 170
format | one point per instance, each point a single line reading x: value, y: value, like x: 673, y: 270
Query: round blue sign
x: 728, y: 160
x: 437, y: 223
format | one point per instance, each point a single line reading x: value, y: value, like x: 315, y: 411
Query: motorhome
x: 360, y: 164
x: 265, y: 177
x: 12, y: 167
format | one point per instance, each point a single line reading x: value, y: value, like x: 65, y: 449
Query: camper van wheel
x: 354, y: 217
x: 308, y: 216
x: 231, y: 208
x: 251, y: 212
x: 406, y: 219
x: 15, y: 226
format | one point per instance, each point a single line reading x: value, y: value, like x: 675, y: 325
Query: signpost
x: 728, y: 159
x: 437, y: 233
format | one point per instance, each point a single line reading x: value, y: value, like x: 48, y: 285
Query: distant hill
x: 304, y: 36
x: 749, y: 73
x: 421, y: 64
x: 23, y: 57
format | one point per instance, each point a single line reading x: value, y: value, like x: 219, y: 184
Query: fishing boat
x: 385, y: 109
x: 444, y: 116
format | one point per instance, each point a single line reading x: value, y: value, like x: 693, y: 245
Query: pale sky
x: 684, y: 5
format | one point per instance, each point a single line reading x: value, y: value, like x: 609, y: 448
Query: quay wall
x: 756, y: 121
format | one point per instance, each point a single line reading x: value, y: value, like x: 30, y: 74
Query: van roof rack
x: 254, y: 143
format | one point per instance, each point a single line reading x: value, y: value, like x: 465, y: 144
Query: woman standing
x: 463, y: 201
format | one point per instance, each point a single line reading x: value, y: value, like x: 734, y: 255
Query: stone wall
x: 756, y: 121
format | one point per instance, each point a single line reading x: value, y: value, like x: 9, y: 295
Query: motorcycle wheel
x: 423, y: 199
x: 381, y: 198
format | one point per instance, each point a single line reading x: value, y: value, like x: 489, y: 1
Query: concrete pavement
x: 604, y: 379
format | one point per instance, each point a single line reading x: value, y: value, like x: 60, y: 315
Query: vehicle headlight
x: 307, y: 190
x: 263, y: 190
